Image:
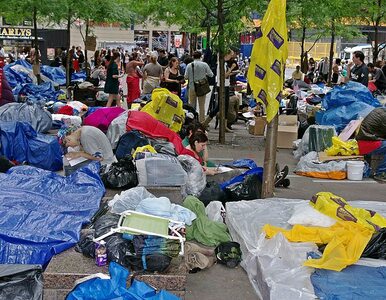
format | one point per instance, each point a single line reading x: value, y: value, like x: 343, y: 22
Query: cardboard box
x: 257, y: 126
x: 287, y: 131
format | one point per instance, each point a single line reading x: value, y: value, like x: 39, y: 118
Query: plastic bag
x: 128, y: 200
x: 115, y: 288
x: 249, y: 189
x: 121, y: 174
x: 156, y: 169
x: 196, y: 181
x: 309, y: 166
x: 146, y: 148
x: 338, y: 208
x: 229, y: 254
x: 167, y: 108
x: 306, y: 215
x: 21, y: 282
x: 342, y: 148
x: 117, y: 247
x: 215, y: 211
x: 376, y: 248
x: 212, y: 192
x: 86, y: 244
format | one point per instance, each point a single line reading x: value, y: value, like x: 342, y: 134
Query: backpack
x: 129, y: 142
x: 229, y: 254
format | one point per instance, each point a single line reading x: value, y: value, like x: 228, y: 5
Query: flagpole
x: 270, y: 159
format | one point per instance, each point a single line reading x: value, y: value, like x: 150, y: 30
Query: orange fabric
x: 339, y: 175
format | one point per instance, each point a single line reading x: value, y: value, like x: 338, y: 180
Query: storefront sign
x: 15, y: 32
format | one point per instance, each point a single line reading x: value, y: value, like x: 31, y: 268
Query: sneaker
x: 192, y: 247
x: 280, y: 176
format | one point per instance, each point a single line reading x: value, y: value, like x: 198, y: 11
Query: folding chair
x: 137, y: 223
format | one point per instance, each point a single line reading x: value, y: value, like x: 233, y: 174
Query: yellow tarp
x: 167, y: 108
x: 146, y: 148
x: 345, y: 242
x: 342, y: 148
x: 336, y: 207
x: 269, y: 54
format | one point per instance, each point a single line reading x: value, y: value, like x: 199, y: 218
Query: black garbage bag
x: 228, y: 253
x: 155, y: 262
x: 249, y: 189
x: 212, y: 192
x: 376, y: 248
x: 117, y: 247
x: 21, y: 282
x: 121, y: 175
x: 86, y: 245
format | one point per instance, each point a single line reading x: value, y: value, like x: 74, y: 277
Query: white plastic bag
x: 215, y: 211
x: 196, y: 181
x: 305, y: 214
x: 129, y: 200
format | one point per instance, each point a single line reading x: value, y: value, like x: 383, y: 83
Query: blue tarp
x: 354, y: 282
x: 345, y: 103
x: 44, y: 92
x: 240, y: 178
x: 115, y: 288
x: 20, y: 142
x: 56, y: 74
x: 42, y: 213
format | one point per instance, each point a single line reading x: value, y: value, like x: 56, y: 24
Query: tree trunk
x: 36, y: 63
x: 331, y: 51
x: 68, y: 42
x: 208, y: 29
x: 303, y: 55
x: 376, y: 48
x: 270, y: 159
x: 221, y: 76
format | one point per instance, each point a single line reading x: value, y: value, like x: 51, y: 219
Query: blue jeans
x: 381, y: 151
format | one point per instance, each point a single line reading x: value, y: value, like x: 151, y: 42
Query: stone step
x: 69, y: 266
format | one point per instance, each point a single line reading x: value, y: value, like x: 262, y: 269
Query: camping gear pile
x: 326, y: 145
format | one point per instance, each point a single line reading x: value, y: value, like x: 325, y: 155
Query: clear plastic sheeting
x: 116, y: 129
x: 156, y: 169
x: 129, y: 200
x: 310, y: 166
x: 196, y: 177
x: 275, y: 267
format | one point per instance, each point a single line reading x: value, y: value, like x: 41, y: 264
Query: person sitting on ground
x: 191, y: 130
x: 379, y: 79
x: 197, y: 144
x: 372, y: 138
x: 88, y: 142
x: 297, y: 74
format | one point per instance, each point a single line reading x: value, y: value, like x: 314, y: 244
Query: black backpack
x: 229, y: 254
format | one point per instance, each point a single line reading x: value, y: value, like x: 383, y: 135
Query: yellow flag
x: 269, y: 53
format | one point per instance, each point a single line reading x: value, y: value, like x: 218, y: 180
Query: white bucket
x: 355, y: 170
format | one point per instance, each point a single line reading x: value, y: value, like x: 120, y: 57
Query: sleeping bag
x: 103, y: 117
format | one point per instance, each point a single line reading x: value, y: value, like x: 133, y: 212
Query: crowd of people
x: 370, y: 75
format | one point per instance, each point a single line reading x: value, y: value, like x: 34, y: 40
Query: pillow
x: 306, y: 215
